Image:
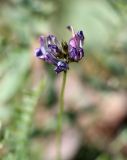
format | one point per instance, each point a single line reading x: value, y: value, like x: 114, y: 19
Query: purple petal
x: 80, y: 35
x: 75, y: 54
x: 51, y: 59
x: 53, y: 48
x: 61, y: 66
x: 42, y: 40
x: 73, y: 42
x: 51, y: 39
x: 81, y: 53
x: 38, y: 52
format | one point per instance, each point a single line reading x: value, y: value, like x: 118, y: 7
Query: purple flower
x: 49, y: 51
x: 75, y: 45
x: 54, y: 45
x: 61, y: 54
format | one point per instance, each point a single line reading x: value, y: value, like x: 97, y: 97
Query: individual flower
x: 49, y: 51
x: 54, y: 45
x: 61, y: 66
x: 75, y: 45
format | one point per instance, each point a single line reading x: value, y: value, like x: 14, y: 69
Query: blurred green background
x: 95, y: 119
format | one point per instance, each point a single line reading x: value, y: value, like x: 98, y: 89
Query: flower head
x: 61, y: 54
x: 75, y: 45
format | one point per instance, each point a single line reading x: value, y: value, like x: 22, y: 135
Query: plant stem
x: 60, y: 116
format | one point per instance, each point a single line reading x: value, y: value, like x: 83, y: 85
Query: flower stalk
x: 60, y: 116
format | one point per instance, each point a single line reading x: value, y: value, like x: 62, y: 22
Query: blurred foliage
x: 21, y: 21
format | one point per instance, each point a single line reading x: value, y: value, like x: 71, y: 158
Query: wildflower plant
x: 61, y: 55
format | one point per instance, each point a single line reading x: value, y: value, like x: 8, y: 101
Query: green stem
x: 60, y: 116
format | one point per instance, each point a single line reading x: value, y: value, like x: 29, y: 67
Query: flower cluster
x: 61, y: 54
